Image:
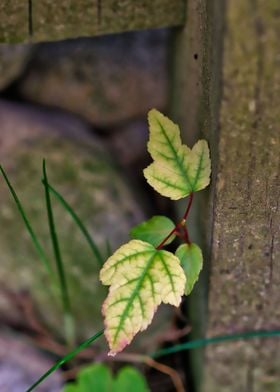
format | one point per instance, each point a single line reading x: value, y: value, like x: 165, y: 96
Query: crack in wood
x: 271, y: 258
x: 30, y: 18
x: 99, y: 12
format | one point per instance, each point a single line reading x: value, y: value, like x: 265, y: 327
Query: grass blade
x: 80, y: 224
x: 214, y: 340
x: 68, y: 319
x: 185, y: 346
x: 67, y: 357
x: 41, y: 253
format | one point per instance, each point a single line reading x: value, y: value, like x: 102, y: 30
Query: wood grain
x: 48, y: 20
x: 14, y: 21
x: 245, y: 269
x: 194, y: 104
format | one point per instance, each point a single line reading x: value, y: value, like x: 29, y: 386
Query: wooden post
x: 14, y: 23
x: 243, y: 205
x: 245, y: 272
x: 48, y: 20
x: 194, y: 104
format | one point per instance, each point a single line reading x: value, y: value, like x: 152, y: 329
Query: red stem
x: 167, y: 238
x: 179, y: 225
x: 189, y: 207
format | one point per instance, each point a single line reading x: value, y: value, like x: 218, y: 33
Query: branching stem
x: 180, y: 226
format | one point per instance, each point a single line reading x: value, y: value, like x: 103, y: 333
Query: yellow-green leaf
x: 177, y: 170
x: 191, y: 259
x: 141, y: 277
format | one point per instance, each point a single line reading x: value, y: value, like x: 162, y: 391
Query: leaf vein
x: 175, y: 154
x: 132, y: 298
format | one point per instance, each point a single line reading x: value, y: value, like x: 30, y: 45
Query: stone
x: 106, y: 80
x: 80, y: 169
x: 135, y: 135
x: 21, y: 365
x: 13, y: 59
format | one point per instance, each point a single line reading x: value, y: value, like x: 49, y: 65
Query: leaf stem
x: 179, y: 226
x: 167, y: 238
x: 188, y: 207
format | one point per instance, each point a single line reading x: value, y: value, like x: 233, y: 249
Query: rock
x: 13, y: 59
x: 80, y: 169
x: 135, y: 135
x: 21, y: 365
x: 105, y: 79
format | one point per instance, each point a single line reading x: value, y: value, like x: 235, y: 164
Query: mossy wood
x: 49, y: 20
x: 194, y: 104
x: 235, y: 48
x: 14, y: 25
x: 245, y: 277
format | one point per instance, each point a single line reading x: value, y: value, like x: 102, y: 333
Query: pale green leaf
x: 154, y: 230
x: 130, y: 379
x: 177, y: 170
x: 191, y: 259
x: 199, y: 169
x: 71, y: 387
x: 96, y: 377
x: 141, y: 277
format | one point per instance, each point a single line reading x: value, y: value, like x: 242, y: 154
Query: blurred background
x: 82, y: 105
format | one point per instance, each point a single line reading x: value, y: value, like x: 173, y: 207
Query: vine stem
x: 188, y: 207
x: 179, y: 225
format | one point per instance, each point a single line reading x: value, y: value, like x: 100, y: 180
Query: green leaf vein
x: 176, y: 157
x: 133, y: 295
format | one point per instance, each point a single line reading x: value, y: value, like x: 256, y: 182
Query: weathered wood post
x: 194, y: 102
x: 242, y: 126
x: 33, y: 21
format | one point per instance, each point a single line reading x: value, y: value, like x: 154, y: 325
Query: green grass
x: 40, y: 251
x: 80, y: 224
x: 68, y: 317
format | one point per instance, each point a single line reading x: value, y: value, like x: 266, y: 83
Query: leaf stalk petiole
x: 180, y: 226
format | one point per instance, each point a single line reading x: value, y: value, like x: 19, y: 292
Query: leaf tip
x: 116, y: 348
x: 152, y: 112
